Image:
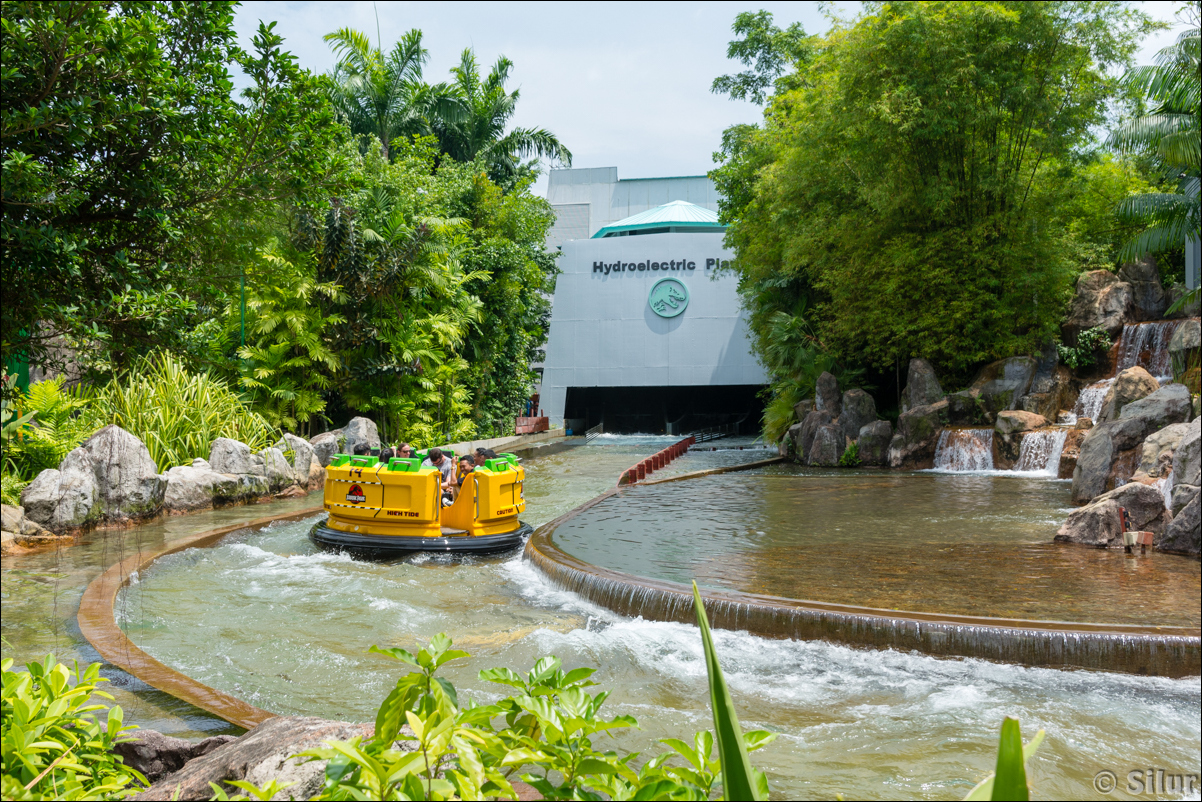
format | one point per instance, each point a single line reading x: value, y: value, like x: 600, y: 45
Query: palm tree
x: 1169, y: 135
x: 385, y: 96
x: 481, y: 131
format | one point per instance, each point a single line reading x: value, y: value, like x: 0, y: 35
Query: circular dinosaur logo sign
x: 668, y: 297
x: 355, y: 496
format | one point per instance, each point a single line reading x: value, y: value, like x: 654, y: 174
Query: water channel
x: 266, y: 617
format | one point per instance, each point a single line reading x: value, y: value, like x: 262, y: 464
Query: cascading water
x: 1147, y: 345
x: 1040, y: 451
x: 962, y: 450
x: 1089, y: 402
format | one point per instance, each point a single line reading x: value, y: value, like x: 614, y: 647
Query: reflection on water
x: 967, y: 544
x: 268, y: 618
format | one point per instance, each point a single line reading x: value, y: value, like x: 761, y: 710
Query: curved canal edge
x: 1132, y: 649
x: 97, y: 622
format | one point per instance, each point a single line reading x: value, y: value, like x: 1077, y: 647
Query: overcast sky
x: 620, y: 84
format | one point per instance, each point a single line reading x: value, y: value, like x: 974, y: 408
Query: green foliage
x: 851, y: 456
x: 130, y: 169
x: 53, y: 745
x: 178, y: 413
x: 62, y: 420
x: 739, y: 779
x: 1009, y: 781
x: 544, y: 734
x: 11, y: 486
x: 1090, y: 343
x: 287, y: 362
x: 907, y: 186
x: 478, y: 132
x: 1169, y: 135
x: 767, y: 50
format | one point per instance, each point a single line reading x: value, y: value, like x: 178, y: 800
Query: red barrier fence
x: 533, y: 425
x: 658, y: 460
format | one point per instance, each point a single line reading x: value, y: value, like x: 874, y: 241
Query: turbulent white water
x: 964, y: 450
x: 1089, y: 402
x: 288, y: 629
x: 1041, y: 450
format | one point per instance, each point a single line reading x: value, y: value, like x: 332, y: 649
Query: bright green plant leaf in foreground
x: 739, y: 780
x: 1011, y: 766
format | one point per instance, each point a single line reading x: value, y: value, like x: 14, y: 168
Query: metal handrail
x: 593, y: 433
x: 715, y: 432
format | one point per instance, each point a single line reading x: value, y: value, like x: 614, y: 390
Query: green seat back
x: 498, y: 465
x: 340, y: 460
x: 364, y: 461
x: 404, y: 464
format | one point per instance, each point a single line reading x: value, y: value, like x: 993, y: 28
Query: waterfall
x: 1147, y: 345
x: 965, y: 450
x: 1165, y: 485
x: 1089, y: 402
x: 1040, y: 451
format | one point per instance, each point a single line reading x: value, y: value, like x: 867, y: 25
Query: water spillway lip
x: 1127, y: 648
x: 401, y: 545
x: 98, y: 625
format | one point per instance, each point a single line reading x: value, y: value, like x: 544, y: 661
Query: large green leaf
x: 738, y: 779
x: 985, y: 790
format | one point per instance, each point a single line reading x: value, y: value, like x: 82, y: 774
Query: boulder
x: 229, y: 456
x: 1008, y: 430
x: 789, y: 441
x: 805, y: 436
x: 317, y: 475
x: 20, y: 530
x: 302, y: 456
x: 1052, y: 389
x: 1130, y: 385
x: 917, y: 436
x: 1001, y: 384
x: 1147, y: 294
x: 829, y: 444
x: 1101, y: 449
x: 1098, y: 523
x: 826, y: 395
x: 922, y: 386
x: 325, y: 446
x: 198, y: 487
x: 1187, y: 459
x: 1187, y: 337
x: 1103, y: 301
x: 1068, y: 455
x: 1181, y: 496
x: 1173, y: 294
x: 1156, y: 455
x: 361, y: 430
x: 859, y: 410
x: 1046, y: 374
x: 802, y: 408
x: 1168, y: 405
x: 277, y: 470
x: 263, y: 754
x: 1183, y: 534
x: 127, y: 479
x: 873, y: 441
x: 65, y: 499
x: 157, y: 755
x: 965, y: 409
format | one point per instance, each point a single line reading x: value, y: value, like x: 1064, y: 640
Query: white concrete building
x: 645, y: 335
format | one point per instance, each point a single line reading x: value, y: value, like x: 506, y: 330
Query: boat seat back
x: 404, y: 464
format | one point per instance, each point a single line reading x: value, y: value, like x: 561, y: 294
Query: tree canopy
x: 915, y: 188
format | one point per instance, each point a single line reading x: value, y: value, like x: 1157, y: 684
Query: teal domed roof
x: 677, y: 216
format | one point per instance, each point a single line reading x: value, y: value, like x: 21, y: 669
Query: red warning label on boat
x: 355, y: 496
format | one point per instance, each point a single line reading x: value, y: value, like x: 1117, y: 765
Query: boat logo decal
x: 355, y: 495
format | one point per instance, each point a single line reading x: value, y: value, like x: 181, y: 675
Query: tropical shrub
x: 62, y: 419
x: 178, y: 413
x: 1090, y: 343
x: 53, y: 745
x: 851, y: 456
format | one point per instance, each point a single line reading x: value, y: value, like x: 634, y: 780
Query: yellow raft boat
x: 395, y: 509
